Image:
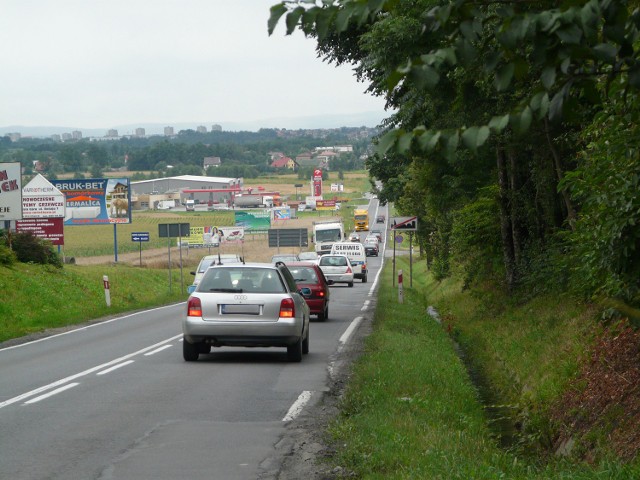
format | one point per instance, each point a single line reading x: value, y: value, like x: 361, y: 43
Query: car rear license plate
x: 240, y: 309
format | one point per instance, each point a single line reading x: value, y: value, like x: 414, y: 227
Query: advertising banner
x: 40, y: 199
x: 282, y: 213
x: 10, y: 191
x: 96, y: 201
x: 47, y: 228
x: 325, y: 204
x: 253, y: 220
x: 214, y: 236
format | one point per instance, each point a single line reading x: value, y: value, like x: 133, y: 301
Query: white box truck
x: 325, y: 234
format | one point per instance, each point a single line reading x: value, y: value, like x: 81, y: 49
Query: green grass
x: 411, y: 411
x: 39, y: 297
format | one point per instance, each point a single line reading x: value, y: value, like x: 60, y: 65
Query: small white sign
x: 10, y: 191
x: 40, y: 199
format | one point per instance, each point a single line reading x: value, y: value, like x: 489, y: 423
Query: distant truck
x: 166, y: 204
x: 190, y: 205
x: 310, y: 202
x: 249, y: 200
x: 361, y: 219
x: 325, y: 234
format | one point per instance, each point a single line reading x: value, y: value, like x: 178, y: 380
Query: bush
x: 29, y: 248
x: 7, y: 257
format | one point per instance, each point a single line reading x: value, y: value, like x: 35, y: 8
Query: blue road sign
x: 139, y: 236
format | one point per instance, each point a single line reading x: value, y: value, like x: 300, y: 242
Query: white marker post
x: 107, y: 294
x: 400, y: 289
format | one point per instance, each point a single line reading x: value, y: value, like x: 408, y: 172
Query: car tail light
x: 349, y: 270
x: 194, y: 307
x: 287, y: 308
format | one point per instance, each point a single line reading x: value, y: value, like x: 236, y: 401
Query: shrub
x: 7, y: 257
x: 29, y: 248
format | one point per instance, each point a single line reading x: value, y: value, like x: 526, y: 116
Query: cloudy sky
x: 104, y: 63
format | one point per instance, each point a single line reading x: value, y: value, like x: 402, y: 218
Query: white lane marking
x: 115, y: 367
x: 297, y: 406
x: 350, y: 329
x: 84, y: 373
x: 52, y: 393
x: 365, y: 306
x: 93, y: 325
x: 157, y: 350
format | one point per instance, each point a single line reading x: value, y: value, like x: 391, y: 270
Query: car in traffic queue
x: 354, y: 237
x: 285, y: 257
x: 309, y: 275
x: 308, y: 256
x: 357, y: 256
x: 380, y: 219
x: 378, y: 233
x: 336, y: 269
x: 371, y: 246
x: 209, y: 260
x: 247, y: 305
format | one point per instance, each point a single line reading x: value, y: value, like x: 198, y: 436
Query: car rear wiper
x: 226, y: 290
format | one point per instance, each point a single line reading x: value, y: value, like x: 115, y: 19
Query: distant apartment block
x: 201, y: 129
x: 112, y: 133
x: 66, y: 137
x: 140, y: 132
x: 216, y: 128
x: 14, y: 136
x: 56, y: 138
x: 76, y: 135
x: 168, y: 131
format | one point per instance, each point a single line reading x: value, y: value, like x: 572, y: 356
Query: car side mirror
x: 330, y: 282
x: 193, y: 273
x: 191, y: 289
x: 305, y: 292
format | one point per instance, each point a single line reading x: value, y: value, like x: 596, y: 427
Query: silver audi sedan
x: 249, y: 305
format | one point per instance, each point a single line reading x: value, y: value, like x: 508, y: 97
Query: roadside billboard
x: 253, y: 220
x: 40, y: 199
x: 46, y: 228
x: 96, y: 201
x: 214, y: 236
x: 10, y: 191
x: 281, y: 213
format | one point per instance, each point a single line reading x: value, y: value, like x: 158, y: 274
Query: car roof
x: 300, y: 264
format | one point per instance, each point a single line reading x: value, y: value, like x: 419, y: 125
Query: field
x: 96, y: 244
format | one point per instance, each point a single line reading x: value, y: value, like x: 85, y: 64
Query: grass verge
x: 411, y: 409
x: 42, y: 297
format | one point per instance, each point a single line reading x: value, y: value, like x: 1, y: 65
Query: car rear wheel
x: 294, y: 352
x: 324, y: 315
x: 305, y: 343
x: 350, y: 284
x: 190, y: 351
x: 364, y: 279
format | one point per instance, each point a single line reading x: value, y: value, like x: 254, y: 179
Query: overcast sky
x: 103, y: 63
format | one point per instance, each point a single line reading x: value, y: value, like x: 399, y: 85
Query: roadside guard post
x: 107, y: 294
x: 400, y: 289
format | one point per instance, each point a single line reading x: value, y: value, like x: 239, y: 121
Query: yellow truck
x: 361, y: 219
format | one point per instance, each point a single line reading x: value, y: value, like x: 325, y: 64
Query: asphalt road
x: 115, y: 400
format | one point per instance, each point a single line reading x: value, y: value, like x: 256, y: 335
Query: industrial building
x: 203, y: 190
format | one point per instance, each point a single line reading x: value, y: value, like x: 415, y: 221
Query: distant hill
x: 364, y: 119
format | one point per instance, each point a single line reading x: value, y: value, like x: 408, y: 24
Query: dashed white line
x: 85, y: 372
x: 157, y: 350
x: 52, y: 393
x: 115, y: 367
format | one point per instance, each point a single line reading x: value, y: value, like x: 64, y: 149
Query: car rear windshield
x: 241, y: 279
x: 304, y: 274
x: 333, y: 261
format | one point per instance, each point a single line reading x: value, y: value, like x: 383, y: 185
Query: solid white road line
x: 297, y: 406
x: 157, y: 350
x: 52, y: 393
x: 84, y: 373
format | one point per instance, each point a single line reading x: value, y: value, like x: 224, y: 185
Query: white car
x: 336, y: 269
x: 308, y: 256
x: 209, y: 260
